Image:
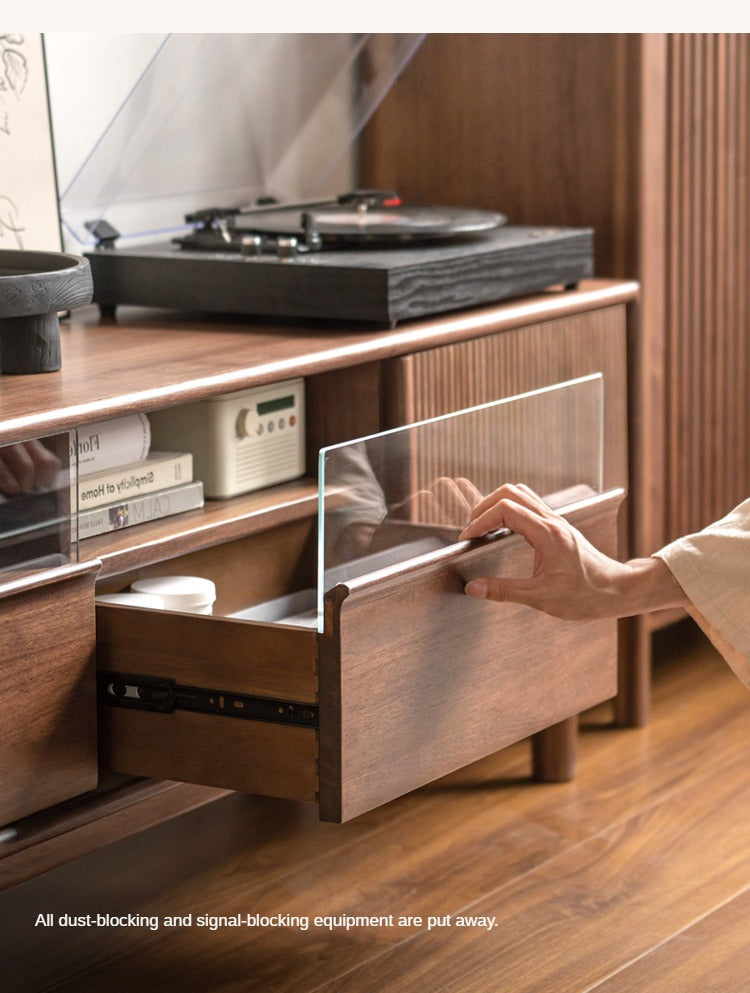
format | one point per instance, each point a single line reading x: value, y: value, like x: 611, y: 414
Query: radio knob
x: 245, y: 424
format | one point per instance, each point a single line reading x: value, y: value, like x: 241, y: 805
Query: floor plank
x: 709, y: 957
x: 582, y: 914
x: 583, y: 878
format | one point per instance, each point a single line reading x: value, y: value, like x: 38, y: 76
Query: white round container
x: 132, y: 599
x: 191, y: 594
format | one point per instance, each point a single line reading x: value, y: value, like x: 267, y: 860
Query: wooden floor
x: 635, y: 877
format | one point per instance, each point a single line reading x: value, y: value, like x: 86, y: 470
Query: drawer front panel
x: 421, y: 679
x: 47, y: 685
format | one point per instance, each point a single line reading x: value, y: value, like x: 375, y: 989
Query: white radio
x: 239, y: 441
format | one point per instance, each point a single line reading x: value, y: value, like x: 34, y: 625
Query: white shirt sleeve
x: 713, y: 568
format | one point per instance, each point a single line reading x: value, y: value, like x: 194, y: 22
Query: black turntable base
x: 380, y: 284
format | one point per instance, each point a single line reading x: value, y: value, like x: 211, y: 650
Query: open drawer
x: 397, y: 677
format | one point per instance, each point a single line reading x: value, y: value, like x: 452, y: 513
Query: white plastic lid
x: 132, y: 599
x: 178, y: 592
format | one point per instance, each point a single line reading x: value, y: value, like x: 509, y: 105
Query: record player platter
x: 352, y: 224
x: 351, y: 220
x: 362, y: 257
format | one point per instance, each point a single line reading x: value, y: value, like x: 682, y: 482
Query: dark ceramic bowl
x: 34, y: 288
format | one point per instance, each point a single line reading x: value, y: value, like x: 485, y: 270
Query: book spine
x: 148, y: 476
x: 138, y: 510
x: 107, y: 444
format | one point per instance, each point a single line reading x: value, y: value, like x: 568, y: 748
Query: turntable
x: 363, y: 256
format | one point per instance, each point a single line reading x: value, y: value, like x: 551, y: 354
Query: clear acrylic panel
x: 38, y: 504
x: 217, y: 120
x: 395, y: 496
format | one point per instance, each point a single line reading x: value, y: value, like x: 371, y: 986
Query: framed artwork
x: 29, y: 214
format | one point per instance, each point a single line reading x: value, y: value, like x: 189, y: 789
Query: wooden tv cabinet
x: 67, y: 791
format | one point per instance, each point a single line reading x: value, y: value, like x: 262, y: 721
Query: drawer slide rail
x: 156, y: 693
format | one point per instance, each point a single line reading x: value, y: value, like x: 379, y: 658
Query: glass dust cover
x: 38, y: 502
x: 395, y: 496
x: 219, y: 120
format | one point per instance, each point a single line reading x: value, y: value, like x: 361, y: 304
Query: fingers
x: 502, y: 590
x: 469, y: 491
x: 46, y: 463
x: 444, y: 502
x: 428, y: 508
x: 16, y: 470
x: 25, y: 467
x: 456, y: 498
x: 519, y: 493
x: 526, y: 515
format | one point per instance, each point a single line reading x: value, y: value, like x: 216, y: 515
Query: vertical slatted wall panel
x: 708, y: 258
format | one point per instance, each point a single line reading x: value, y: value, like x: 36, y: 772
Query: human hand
x: 445, y: 502
x: 444, y: 507
x: 571, y: 579
x: 27, y: 466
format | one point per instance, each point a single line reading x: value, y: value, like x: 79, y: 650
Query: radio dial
x: 247, y: 423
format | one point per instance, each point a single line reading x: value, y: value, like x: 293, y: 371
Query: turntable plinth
x: 379, y: 285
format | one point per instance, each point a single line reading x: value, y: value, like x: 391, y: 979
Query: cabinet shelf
x: 215, y: 523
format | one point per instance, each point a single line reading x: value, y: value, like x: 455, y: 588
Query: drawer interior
x: 253, y: 570
x: 228, y: 670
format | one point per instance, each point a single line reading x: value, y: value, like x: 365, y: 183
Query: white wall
x: 89, y: 76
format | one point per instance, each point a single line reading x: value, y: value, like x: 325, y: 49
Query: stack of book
x: 121, y: 482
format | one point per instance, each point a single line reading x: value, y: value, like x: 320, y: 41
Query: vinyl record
x: 350, y: 224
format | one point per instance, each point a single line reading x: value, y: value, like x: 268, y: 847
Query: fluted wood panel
x: 549, y: 439
x: 708, y: 269
x: 454, y: 377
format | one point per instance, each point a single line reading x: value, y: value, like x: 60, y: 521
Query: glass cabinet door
x: 396, y: 495
x: 38, y: 502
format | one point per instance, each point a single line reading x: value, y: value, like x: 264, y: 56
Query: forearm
x: 644, y: 585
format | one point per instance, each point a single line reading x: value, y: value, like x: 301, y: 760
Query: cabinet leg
x: 553, y: 752
x: 633, y: 700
